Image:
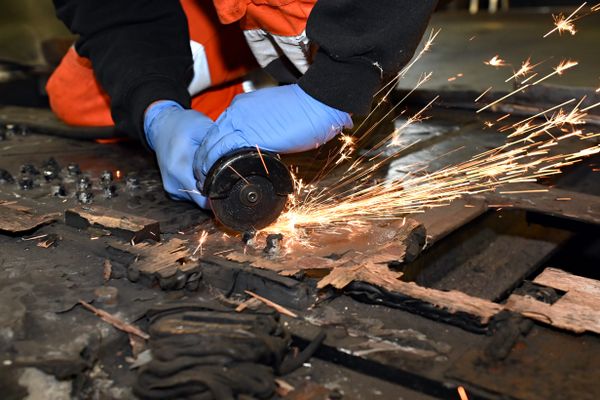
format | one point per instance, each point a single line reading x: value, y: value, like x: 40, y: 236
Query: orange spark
x: 526, y: 68
x: 201, y: 241
x: 564, y: 65
x: 483, y: 94
x: 496, y: 61
x: 524, y: 191
x: 558, y: 70
x: 462, y: 393
x: 262, y: 159
x: 238, y: 174
x: 565, y: 24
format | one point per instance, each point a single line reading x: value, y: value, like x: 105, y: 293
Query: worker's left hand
x: 282, y: 119
x: 175, y: 134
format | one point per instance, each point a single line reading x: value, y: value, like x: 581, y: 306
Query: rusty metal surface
x: 543, y: 365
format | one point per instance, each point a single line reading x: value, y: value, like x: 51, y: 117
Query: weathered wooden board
x: 440, y: 222
x: 16, y: 219
x: 163, y: 259
x: 551, y: 201
x: 395, y: 241
x: 577, y: 310
x: 130, y: 227
x: 381, y: 276
x: 561, y: 280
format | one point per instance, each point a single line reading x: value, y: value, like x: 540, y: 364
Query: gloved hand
x: 281, y: 119
x: 175, y: 134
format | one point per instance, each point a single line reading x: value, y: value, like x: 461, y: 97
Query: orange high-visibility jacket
x: 131, y: 53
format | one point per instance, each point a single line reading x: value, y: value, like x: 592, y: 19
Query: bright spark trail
x: 525, y: 159
x: 531, y: 152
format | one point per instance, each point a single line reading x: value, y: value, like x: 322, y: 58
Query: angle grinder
x: 248, y: 189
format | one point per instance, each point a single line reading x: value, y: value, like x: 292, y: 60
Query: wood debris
x: 341, y: 277
x: 106, y: 270
x: 250, y: 303
x: 163, y: 259
x: 15, y: 218
x: 128, y: 226
x: 283, y: 388
x: 114, y: 321
x: 577, y: 310
x: 277, y: 307
x: 137, y: 344
x: 44, y: 244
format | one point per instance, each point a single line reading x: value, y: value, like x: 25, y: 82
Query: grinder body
x: 248, y: 190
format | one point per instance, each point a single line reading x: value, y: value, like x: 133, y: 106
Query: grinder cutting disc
x: 247, y: 191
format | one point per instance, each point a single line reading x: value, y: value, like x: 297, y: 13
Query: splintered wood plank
x: 567, y: 313
x: 364, y: 256
x: 341, y: 277
x: 551, y: 201
x: 577, y: 310
x: 381, y: 276
x: 125, y: 225
x: 15, y: 218
x: 162, y: 259
x: 396, y: 241
x: 561, y: 280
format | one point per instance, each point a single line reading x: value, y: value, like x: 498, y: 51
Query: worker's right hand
x: 175, y: 134
x: 282, y: 119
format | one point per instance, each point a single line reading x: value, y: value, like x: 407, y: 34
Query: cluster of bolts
x: 29, y: 178
x: 7, y: 130
x: 50, y: 171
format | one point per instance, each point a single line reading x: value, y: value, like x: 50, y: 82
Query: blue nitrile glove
x: 281, y: 119
x: 175, y: 134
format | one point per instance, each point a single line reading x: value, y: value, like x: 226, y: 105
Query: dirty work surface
x: 379, y: 341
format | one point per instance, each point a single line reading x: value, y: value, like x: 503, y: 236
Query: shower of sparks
x: 496, y: 61
x: 357, y: 197
x: 530, y: 153
x: 201, y: 241
x: 558, y: 70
